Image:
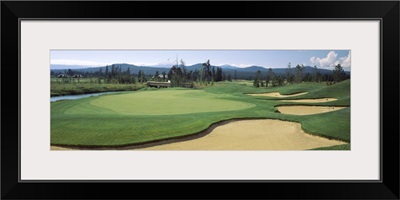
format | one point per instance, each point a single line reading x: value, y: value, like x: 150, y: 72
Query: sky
x: 240, y: 58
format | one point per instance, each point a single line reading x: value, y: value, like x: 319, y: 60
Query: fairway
x: 164, y: 102
x: 147, y: 116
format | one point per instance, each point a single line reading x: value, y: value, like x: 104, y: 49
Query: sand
x: 59, y: 148
x: 276, y: 94
x: 307, y: 110
x: 311, y: 100
x: 265, y: 134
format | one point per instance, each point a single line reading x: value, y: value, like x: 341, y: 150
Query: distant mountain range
x: 72, y: 67
x: 242, y: 73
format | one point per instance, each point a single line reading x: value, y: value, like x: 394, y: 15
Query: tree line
x: 181, y: 77
x: 296, y: 75
x: 178, y: 75
x: 112, y: 74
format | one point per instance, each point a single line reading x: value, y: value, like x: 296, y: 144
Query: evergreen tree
x: 156, y: 78
x: 289, y: 76
x: 164, y: 74
x: 338, y: 73
x: 229, y: 78
x: 257, y: 78
x: 107, y: 75
x: 270, y: 76
x: 213, y: 74
x: 100, y: 77
x: 128, y: 76
x: 207, y: 71
x: 119, y: 75
x: 141, y: 76
x: 316, y: 74
x: 218, y: 74
x: 299, y: 74
x: 112, y: 73
x: 183, y: 69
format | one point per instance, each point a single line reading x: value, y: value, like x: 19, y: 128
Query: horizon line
x: 189, y: 65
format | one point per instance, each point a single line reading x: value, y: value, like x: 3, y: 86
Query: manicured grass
x: 340, y: 91
x: 337, y: 147
x: 333, y: 125
x: 134, y: 117
x: 162, y: 102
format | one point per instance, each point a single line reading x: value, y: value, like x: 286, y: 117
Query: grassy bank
x: 337, y: 147
x: 141, y: 116
x: 60, y: 89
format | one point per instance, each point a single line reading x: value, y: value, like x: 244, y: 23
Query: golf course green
x: 162, y: 102
x: 143, y: 116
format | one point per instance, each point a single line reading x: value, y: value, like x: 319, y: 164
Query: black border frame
x: 387, y: 12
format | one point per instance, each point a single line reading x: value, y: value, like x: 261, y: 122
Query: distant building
x: 66, y: 76
x: 159, y: 84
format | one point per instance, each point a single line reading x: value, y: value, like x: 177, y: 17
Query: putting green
x: 161, y: 102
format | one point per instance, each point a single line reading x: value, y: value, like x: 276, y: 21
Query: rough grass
x: 102, y: 124
x: 60, y: 89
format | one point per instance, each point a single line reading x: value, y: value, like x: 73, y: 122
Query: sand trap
x: 262, y: 134
x: 307, y: 110
x: 276, y: 94
x: 253, y: 135
x: 311, y: 100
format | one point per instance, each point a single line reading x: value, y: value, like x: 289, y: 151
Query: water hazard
x: 78, y: 96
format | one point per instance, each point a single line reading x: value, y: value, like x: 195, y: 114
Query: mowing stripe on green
x: 163, y: 102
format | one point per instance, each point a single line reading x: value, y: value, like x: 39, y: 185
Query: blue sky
x: 240, y: 58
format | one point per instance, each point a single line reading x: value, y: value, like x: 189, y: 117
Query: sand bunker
x: 276, y: 94
x: 307, y: 110
x: 311, y: 100
x: 262, y: 134
x: 265, y: 134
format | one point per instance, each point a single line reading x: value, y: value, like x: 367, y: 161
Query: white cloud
x: 346, y: 61
x: 328, y: 61
x: 314, y: 60
x: 331, y: 60
x: 76, y: 62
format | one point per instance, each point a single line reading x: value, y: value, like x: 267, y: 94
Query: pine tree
x: 289, y: 76
x: 338, y: 73
x: 270, y: 76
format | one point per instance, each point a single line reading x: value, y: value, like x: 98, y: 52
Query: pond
x: 78, y: 96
